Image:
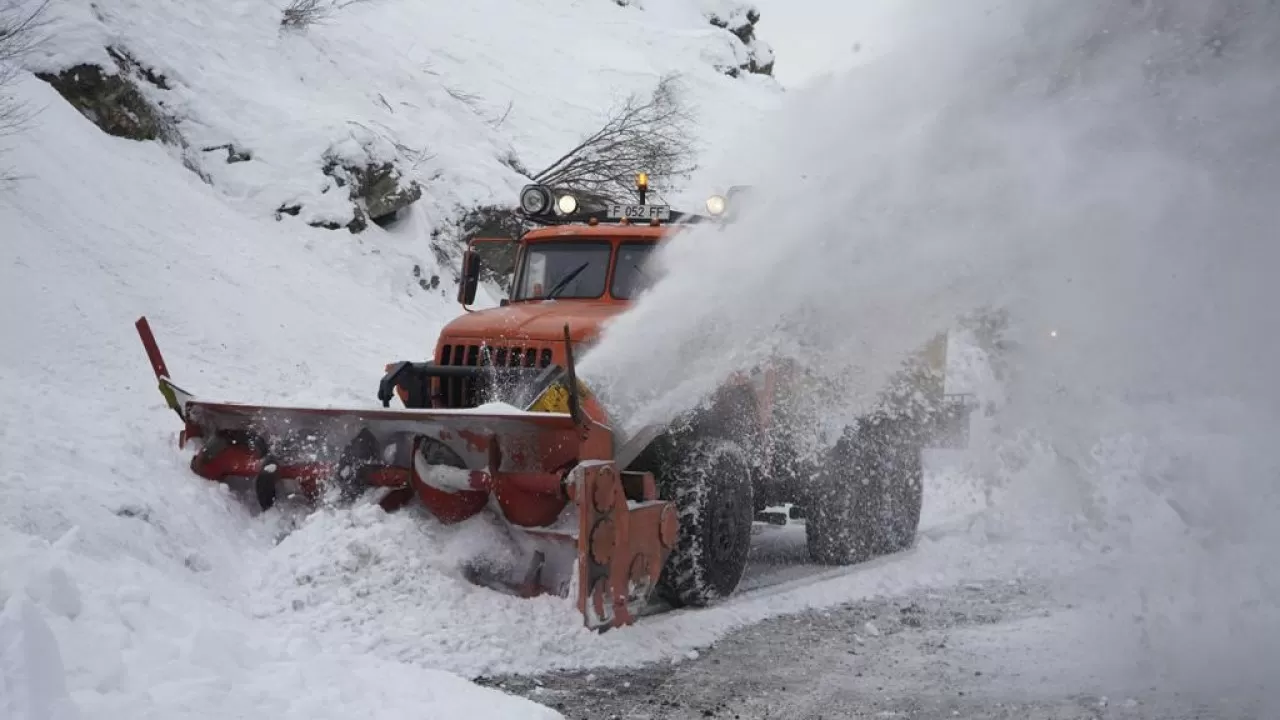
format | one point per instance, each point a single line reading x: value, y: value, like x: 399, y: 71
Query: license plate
x: 640, y: 212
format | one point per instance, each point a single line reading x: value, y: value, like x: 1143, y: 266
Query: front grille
x: 468, y: 392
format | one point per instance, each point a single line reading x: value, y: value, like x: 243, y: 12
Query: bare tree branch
x: 22, y: 23
x: 497, y: 122
x: 651, y: 134
x: 462, y: 96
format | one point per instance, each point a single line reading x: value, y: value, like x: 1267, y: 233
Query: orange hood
x: 542, y: 320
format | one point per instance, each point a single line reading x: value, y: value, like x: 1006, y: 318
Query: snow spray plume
x: 1105, y: 171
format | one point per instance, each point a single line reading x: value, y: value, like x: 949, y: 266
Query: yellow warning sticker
x: 555, y: 399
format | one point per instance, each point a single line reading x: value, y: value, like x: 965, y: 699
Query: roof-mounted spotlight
x: 567, y: 205
x: 535, y: 199
x: 716, y: 205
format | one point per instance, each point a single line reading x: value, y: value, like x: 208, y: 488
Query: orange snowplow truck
x: 499, y: 421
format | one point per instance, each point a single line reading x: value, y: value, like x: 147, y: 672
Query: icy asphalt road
x: 981, y: 651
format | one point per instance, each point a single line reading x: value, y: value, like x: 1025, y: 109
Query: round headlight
x: 567, y: 204
x: 535, y: 200
x: 716, y: 204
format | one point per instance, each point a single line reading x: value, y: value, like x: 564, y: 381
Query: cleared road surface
x: 999, y: 650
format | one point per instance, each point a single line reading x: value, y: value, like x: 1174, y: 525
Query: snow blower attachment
x: 547, y: 466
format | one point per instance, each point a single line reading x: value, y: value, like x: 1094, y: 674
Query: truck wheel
x: 709, y: 481
x: 866, y: 500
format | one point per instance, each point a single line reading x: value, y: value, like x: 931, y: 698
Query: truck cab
x: 579, y: 269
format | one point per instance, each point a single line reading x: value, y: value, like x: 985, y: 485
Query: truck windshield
x: 569, y: 269
x: 633, y: 274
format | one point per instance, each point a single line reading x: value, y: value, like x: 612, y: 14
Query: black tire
x: 706, y: 470
x: 866, y: 500
x: 711, y: 487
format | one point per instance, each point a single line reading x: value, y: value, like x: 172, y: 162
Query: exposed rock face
x: 378, y: 190
x: 128, y: 100
x: 111, y: 98
x: 741, y: 22
x: 485, y: 221
x: 122, y: 101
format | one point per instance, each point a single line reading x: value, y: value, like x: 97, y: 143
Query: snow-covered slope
x: 139, y: 572
x: 132, y: 589
x: 455, y: 95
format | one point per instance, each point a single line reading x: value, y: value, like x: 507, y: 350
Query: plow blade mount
x: 582, y: 527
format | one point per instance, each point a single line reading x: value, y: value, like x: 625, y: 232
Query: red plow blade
x: 585, y: 527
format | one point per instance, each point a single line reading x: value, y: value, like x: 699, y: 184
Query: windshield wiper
x: 564, y: 281
x: 646, y: 277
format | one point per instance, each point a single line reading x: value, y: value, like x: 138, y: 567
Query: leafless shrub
x: 300, y: 14
x: 22, y: 24
x: 646, y: 134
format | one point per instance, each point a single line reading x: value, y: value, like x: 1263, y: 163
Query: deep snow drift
x: 105, y: 543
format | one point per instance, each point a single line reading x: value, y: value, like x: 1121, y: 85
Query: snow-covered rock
x: 755, y: 56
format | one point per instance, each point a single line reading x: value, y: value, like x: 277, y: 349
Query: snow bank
x: 106, y: 543
x: 31, y: 673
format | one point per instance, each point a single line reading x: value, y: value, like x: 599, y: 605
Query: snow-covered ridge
x: 451, y: 100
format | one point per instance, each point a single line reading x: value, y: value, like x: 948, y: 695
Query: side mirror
x: 470, y: 282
